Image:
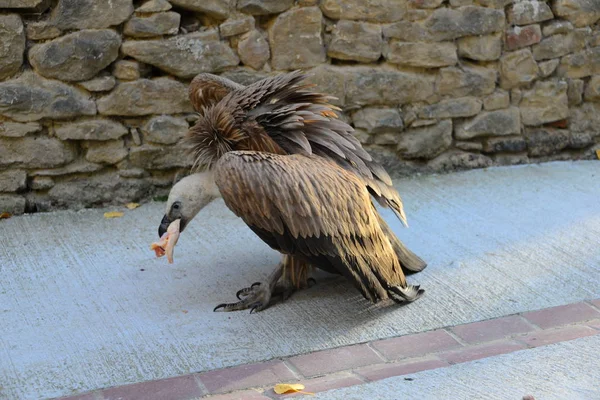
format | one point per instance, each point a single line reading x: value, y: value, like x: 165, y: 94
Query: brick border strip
x: 372, y: 361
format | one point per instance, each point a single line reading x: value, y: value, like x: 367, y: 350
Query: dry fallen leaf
x: 113, y: 214
x: 283, y: 388
x: 132, y: 206
x: 598, y: 154
x: 5, y: 215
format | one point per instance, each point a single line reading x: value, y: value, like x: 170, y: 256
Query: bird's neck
x: 206, y: 181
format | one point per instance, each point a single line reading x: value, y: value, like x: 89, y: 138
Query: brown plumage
x: 302, y: 182
x: 279, y: 110
x: 208, y: 89
x: 314, y: 210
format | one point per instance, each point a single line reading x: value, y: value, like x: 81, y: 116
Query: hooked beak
x: 166, y: 221
x: 164, y: 224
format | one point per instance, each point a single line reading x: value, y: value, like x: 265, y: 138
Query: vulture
x: 283, y: 162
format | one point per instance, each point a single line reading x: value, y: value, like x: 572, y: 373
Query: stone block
x: 451, y: 108
x: 165, y: 129
x: 358, y: 41
x: 90, y: 14
x: 35, y: 152
x: 158, y: 24
x: 12, y: 45
x: 490, y: 123
x: 545, y: 102
x: 426, y: 142
x: 380, y: 11
x: 517, y: 68
x: 518, y: 37
x: 378, y: 120
x: 497, y: 100
x: 296, y: 40
x: 92, y: 129
x: 31, y: 98
x: 145, y: 97
x: 427, y: 55
x: 528, y: 12
x: 189, y: 54
x: 466, y: 80
x: 254, y: 50
x: 481, y: 48
x: 578, y: 12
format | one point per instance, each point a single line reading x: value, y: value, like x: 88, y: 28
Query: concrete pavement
x: 85, y: 305
x: 568, y: 370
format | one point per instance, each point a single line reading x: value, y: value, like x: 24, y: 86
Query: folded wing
x: 311, y: 208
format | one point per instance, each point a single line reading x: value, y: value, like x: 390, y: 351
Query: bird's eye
x: 176, y: 206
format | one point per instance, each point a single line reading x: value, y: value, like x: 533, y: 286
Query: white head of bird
x: 187, y: 198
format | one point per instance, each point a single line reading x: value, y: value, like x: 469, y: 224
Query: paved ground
x: 358, y: 366
x: 562, y: 371
x: 84, y: 305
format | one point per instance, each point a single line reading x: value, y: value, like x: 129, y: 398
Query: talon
x: 254, y: 309
x: 239, y: 292
x: 255, y: 284
x: 222, y: 305
x: 407, y: 294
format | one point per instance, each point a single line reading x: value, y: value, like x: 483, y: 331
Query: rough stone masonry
x: 93, y: 99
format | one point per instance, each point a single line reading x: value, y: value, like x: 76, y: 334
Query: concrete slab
x: 567, y: 370
x: 78, y: 313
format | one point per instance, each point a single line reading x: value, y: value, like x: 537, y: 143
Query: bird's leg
x: 295, y: 276
x: 257, y: 297
x: 290, y: 275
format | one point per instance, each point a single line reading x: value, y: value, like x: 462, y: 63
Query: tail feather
x: 405, y: 294
x: 409, y: 261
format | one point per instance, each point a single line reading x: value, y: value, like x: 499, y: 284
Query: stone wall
x: 93, y: 93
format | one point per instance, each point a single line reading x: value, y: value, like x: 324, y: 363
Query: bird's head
x: 187, y: 198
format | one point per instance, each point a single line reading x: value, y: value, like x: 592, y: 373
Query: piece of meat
x: 166, y: 244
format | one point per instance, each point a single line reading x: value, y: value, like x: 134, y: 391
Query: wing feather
x: 208, y: 89
x: 309, y: 207
x: 283, y: 115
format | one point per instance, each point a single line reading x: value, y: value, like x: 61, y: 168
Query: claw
x: 246, y: 291
x: 256, y: 298
x: 406, y: 295
x: 310, y: 282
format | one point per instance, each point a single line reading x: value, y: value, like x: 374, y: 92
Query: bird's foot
x: 259, y: 296
x: 256, y: 297
x: 405, y: 294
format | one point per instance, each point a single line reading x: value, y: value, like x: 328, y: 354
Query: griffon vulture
x: 282, y: 161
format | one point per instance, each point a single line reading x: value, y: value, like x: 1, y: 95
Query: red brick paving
x: 562, y: 315
x: 477, y: 352
x: 492, y: 329
x: 244, y: 395
x: 247, y: 376
x: 87, y: 396
x: 180, y: 388
x: 595, y: 323
x: 405, y: 367
x: 415, y: 345
x: 328, y: 361
x: 564, y: 334
x: 353, y: 365
x: 323, y: 383
x: 596, y: 303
